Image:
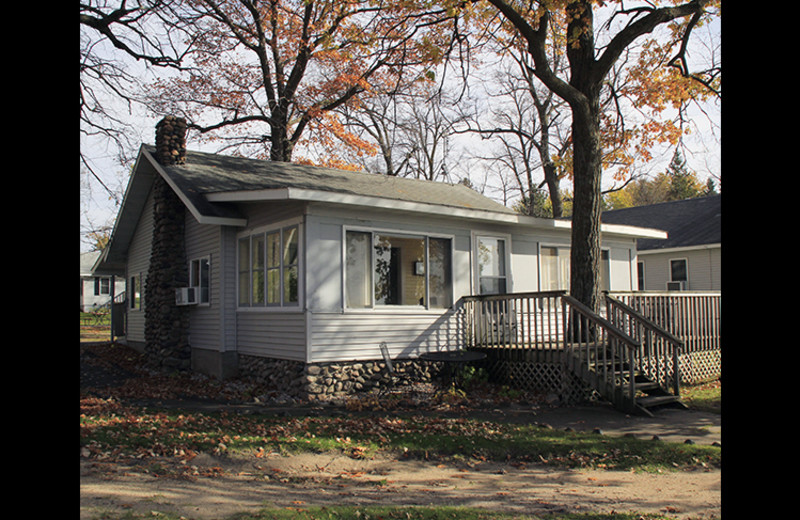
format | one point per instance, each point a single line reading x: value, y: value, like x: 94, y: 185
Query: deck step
x: 654, y: 401
x: 647, y: 386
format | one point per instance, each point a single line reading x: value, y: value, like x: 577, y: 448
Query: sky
x: 99, y: 207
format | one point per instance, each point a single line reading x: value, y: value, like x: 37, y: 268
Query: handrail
x: 613, y: 302
x: 508, y: 296
x: 602, y: 353
x: 609, y: 353
x: 657, y: 342
x: 590, y: 314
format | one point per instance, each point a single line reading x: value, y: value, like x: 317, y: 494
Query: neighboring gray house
x: 690, y: 259
x: 314, y: 265
x: 96, y: 290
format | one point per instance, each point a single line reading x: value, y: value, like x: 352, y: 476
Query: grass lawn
x: 107, y: 428
x: 703, y: 396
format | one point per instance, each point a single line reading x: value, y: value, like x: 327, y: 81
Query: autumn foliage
x: 265, y: 77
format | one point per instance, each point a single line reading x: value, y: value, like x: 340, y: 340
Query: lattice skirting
x: 697, y: 367
x: 542, y: 372
x: 543, y: 377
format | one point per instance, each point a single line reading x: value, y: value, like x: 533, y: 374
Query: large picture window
x: 269, y: 268
x: 387, y: 269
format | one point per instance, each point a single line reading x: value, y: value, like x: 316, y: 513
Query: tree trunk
x: 551, y: 178
x: 587, y: 163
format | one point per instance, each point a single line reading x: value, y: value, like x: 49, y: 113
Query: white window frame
x: 203, y: 299
x: 476, y: 238
x: 373, y: 306
x: 265, y: 231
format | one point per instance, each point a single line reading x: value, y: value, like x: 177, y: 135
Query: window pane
x: 440, y: 273
x: 358, y: 269
x: 244, y: 271
x: 258, y: 270
x: 273, y: 286
x: 640, y: 275
x: 491, y: 257
x: 678, y: 268
x: 290, y: 246
x: 491, y: 265
x: 605, y: 271
x: 290, y: 285
x: 273, y: 268
x: 274, y: 249
x: 204, y: 280
x: 395, y: 281
x: 548, y: 259
x: 563, y: 275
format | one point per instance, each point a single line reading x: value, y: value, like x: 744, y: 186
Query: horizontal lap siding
x: 138, y: 265
x: 357, y: 336
x: 205, y: 320
x: 278, y: 335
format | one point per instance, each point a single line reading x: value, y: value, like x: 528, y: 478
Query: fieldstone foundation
x: 325, y: 381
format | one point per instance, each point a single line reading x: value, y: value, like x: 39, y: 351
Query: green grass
x: 103, y: 319
x: 706, y: 396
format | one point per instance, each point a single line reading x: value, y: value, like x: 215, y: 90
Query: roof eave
x: 196, y: 213
x: 329, y: 197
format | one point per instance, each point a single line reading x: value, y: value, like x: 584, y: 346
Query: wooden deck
x: 626, y: 356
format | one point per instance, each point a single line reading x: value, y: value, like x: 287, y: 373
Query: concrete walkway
x: 668, y: 424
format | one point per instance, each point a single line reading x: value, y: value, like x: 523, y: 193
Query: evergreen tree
x: 683, y: 183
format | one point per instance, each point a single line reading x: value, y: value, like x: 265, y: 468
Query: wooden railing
x: 599, y: 353
x: 530, y: 320
x: 609, y: 353
x: 658, y: 357
x: 692, y: 317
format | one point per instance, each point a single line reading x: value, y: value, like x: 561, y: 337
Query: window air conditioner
x: 186, y: 296
x: 676, y: 286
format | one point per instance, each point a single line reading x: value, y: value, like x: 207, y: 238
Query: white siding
x: 138, y: 264
x: 273, y: 334
x: 268, y: 332
x: 357, y: 336
x: 340, y: 334
x: 205, y: 320
x: 704, y: 268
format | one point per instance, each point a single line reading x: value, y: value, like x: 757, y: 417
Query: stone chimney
x: 166, y: 324
x: 171, y: 141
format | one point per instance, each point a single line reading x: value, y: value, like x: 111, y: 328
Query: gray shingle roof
x: 690, y: 222
x: 205, y: 174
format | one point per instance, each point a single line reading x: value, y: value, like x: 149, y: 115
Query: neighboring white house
x: 690, y: 259
x: 316, y: 265
x: 96, y: 290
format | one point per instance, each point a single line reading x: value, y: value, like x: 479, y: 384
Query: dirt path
x: 305, y: 480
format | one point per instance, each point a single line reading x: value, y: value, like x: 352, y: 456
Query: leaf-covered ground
x: 150, y: 442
